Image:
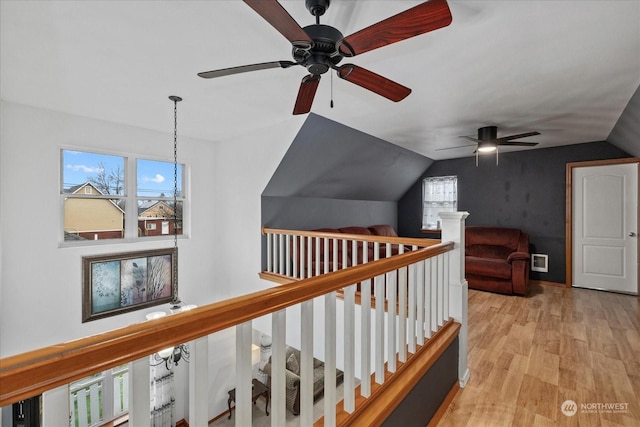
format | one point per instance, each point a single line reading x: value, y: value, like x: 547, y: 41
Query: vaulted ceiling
x: 567, y: 69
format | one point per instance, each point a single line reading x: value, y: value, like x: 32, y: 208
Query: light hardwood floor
x: 529, y: 355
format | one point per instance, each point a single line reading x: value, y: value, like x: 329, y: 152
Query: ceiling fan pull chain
x: 331, y: 103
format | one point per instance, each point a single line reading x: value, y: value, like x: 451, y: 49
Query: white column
x: 140, y: 392
x: 199, y: 382
x: 55, y: 406
x: 453, y: 227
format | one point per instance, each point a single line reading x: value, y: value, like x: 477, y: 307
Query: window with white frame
x: 439, y: 194
x: 106, y: 196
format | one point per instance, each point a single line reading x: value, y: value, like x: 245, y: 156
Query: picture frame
x: 113, y: 284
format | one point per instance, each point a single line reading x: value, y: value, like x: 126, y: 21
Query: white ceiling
x: 564, y: 68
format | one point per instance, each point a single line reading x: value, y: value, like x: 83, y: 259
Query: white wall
x: 40, y: 282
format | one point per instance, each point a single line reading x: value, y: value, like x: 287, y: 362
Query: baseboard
x: 547, y: 283
x: 464, y: 378
x: 182, y: 423
x: 444, y: 405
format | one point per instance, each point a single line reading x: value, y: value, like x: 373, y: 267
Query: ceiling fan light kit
x: 320, y: 48
x: 488, y: 141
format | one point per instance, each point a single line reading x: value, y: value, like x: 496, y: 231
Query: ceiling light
x: 487, y: 147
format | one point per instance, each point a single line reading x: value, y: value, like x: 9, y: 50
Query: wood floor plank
x: 529, y: 355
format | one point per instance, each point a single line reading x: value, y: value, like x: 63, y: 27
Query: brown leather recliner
x: 497, y: 259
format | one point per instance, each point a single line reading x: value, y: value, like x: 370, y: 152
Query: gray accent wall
x: 334, y: 176
x: 526, y: 191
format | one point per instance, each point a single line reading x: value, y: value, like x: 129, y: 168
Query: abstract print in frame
x: 118, y: 283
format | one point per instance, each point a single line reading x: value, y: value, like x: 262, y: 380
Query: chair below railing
x: 371, y: 345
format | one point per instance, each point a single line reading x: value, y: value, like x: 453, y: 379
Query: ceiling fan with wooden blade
x: 320, y: 48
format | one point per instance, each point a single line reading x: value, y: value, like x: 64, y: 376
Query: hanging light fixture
x: 172, y: 355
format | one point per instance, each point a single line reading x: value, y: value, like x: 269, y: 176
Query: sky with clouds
x: 153, y: 177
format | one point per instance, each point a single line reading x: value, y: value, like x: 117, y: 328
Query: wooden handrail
x: 420, y: 242
x: 31, y: 373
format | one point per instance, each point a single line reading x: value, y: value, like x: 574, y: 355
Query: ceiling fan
x: 488, y: 141
x: 320, y: 48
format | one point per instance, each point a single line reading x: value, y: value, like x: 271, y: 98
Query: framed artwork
x: 118, y: 283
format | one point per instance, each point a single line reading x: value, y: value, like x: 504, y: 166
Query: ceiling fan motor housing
x: 323, y: 55
x: 488, y: 133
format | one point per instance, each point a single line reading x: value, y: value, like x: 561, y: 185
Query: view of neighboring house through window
x: 93, y: 186
x: 155, y: 187
x: 99, y: 195
x: 439, y: 194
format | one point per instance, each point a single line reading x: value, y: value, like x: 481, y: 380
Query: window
x: 99, y: 398
x: 94, y: 197
x: 154, y: 192
x: 101, y: 200
x: 439, y: 194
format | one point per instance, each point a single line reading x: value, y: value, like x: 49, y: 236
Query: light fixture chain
x: 176, y: 300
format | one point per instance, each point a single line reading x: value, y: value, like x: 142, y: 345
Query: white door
x: 605, y: 227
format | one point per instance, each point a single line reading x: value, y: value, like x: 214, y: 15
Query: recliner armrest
x: 518, y: 256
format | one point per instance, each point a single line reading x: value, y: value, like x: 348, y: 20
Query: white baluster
x: 281, y: 254
x: 325, y: 257
x: 379, y: 329
x: 413, y: 278
x: 440, y: 316
x: 270, y: 252
x: 287, y: 250
x: 402, y: 314
x: 139, y: 392
x: 243, y: 375
x: 278, y: 366
x: 199, y: 376
x: 391, y: 316
x: 94, y: 401
x: 429, y: 301
x: 317, y: 257
x: 310, y: 256
x: 306, y: 363
x: 330, y: 399
x: 365, y: 321
x: 345, y: 254
x: 55, y: 406
x: 420, y: 267
x: 349, y: 348
x: 302, y: 257
x: 445, y: 292
x: 83, y: 413
x: 354, y: 252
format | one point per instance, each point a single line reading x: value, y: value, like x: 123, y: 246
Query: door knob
x: 632, y: 234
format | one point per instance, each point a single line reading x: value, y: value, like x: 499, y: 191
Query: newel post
x: 453, y: 226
